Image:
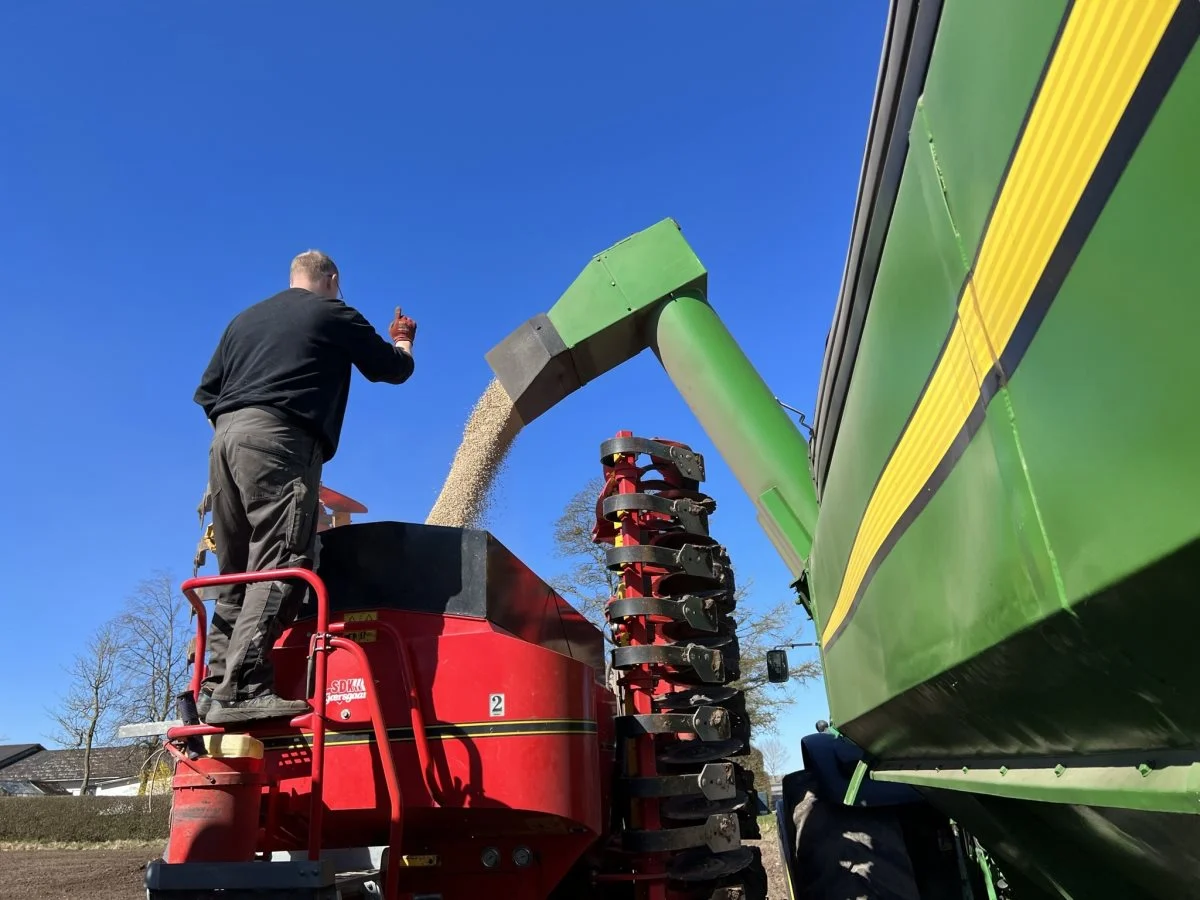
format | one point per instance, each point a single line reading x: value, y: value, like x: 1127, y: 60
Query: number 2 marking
x: 496, y: 704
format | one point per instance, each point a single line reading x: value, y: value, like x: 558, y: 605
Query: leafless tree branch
x: 775, y: 755
x: 154, y: 627
x: 85, y: 716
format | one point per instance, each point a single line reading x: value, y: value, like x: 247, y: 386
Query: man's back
x: 275, y: 391
x: 291, y: 354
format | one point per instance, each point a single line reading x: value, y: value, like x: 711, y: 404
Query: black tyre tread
x: 849, y: 853
x: 753, y: 878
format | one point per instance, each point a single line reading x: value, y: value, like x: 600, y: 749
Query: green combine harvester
x: 996, y: 528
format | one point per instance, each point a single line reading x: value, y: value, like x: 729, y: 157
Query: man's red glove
x: 402, y: 328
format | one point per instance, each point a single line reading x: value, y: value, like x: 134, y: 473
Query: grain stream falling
x: 491, y: 429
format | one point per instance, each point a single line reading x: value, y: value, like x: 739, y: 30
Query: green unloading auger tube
x: 650, y: 291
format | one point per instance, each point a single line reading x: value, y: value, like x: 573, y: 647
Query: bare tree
x: 85, y: 714
x: 775, y: 755
x: 154, y: 628
x: 588, y: 585
x: 758, y: 631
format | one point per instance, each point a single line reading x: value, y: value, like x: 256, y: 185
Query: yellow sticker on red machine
x: 362, y: 615
x: 417, y: 861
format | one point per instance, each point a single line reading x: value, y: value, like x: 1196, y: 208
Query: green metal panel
x: 984, y: 70
x: 923, y: 268
x: 912, y: 307
x: 969, y: 572
x: 606, y: 308
x: 1103, y: 398
x: 1020, y: 527
x: 1173, y: 789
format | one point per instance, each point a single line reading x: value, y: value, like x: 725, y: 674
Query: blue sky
x: 162, y: 163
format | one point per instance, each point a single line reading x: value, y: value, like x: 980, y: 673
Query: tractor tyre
x: 848, y: 852
x: 753, y: 878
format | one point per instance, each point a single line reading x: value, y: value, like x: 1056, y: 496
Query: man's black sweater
x: 291, y: 354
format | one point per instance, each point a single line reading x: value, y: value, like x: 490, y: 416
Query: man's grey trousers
x: 264, y: 475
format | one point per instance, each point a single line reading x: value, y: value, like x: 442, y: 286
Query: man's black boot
x: 263, y: 707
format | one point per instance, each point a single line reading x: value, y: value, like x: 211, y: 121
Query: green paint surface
x: 1104, y: 397
x: 621, y: 285
x: 985, y: 67
x: 987, y: 60
x: 1092, y: 434
x: 753, y: 433
x: 973, y: 569
x: 969, y: 571
x: 913, y: 305
x: 1173, y: 789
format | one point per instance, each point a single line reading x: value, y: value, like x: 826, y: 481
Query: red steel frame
x: 326, y: 638
x: 651, y: 876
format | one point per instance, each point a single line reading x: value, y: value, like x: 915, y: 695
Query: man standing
x: 275, y: 392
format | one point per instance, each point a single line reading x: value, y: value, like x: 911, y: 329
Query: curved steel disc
x: 687, y: 752
x: 673, y: 583
x: 697, y: 807
x: 707, y: 695
x: 685, y: 632
x: 671, y: 492
x: 688, y: 635
x: 702, y: 865
x: 676, y: 538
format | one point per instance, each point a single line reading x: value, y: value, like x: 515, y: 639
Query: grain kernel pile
x: 491, y: 429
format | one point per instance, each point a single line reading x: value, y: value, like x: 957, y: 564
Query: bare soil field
x: 773, y: 863
x: 117, y: 874
x: 74, y: 874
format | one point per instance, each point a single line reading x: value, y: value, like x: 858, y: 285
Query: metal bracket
x: 715, y: 782
x: 318, y: 642
x: 698, y: 696
x: 719, y: 833
x: 689, y: 463
x: 709, y: 665
x: 691, y: 515
x: 219, y: 880
x: 148, y: 729
x: 724, y: 696
x: 697, y: 610
x: 708, y: 723
x: 856, y: 780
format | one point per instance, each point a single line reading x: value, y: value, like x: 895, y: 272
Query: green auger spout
x: 650, y: 290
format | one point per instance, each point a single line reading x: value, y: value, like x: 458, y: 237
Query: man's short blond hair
x: 313, y: 266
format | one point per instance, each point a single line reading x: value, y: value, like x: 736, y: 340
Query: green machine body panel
x: 1004, y: 559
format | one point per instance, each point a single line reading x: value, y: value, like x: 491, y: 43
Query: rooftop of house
x: 10, y: 753
x: 29, y: 789
x: 67, y: 765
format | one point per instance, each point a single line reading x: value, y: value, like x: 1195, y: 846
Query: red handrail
x: 386, y: 761
x: 193, y: 585
x: 317, y: 721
